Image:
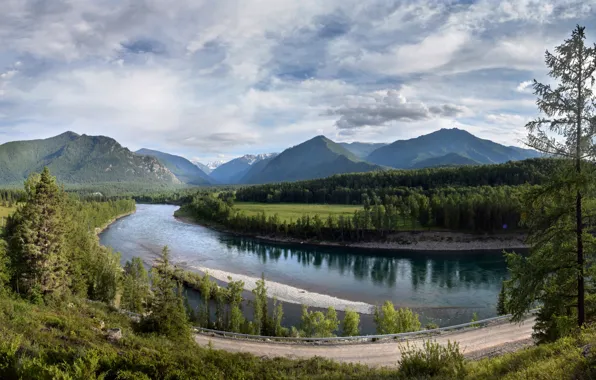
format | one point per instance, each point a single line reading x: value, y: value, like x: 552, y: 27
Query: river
x: 444, y: 287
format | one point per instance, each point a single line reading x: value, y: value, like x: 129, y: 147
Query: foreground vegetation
x: 71, y: 341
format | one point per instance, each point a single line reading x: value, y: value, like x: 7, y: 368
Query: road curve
x: 376, y: 354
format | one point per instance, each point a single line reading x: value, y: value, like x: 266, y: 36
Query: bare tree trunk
x: 580, y: 263
x: 581, y: 313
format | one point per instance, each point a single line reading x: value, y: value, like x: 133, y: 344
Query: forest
x: 478, y: 210
x: 355, y: 188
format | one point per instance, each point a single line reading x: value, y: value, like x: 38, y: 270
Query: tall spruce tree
x: 167, y: 313
x: 556, y: 214
x: 135, y: 290
x: 38, y: 257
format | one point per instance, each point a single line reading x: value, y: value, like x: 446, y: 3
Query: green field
x: 4, y: 212
x: 293, y: 211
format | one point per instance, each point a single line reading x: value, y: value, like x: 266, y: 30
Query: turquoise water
x: 445, y: 287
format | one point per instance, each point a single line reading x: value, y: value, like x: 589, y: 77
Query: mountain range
x: 183, y: 169
x: 82, y: 159
x: 233, y: 171
x: 407, y: 154
x: 316, y: 158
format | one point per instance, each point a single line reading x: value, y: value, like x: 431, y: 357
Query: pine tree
x: 37, y: 242
x: 167, y: 314
x: 567, y: 131
x: 135, y: 292
x: 501, y: 302
x: 4, y: 274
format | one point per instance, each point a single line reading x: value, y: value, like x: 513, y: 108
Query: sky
x: 216, y: 79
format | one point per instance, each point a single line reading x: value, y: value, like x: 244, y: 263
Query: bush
x: 432, y: 360
x: 391, y: 321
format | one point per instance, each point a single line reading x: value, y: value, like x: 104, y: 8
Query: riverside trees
x: 52, y: 250
x: 559, y: 271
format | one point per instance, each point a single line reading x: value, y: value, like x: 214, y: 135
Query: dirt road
x: 382, y: 353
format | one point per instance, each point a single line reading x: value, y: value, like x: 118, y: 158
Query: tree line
x: 483, y: 209
x: 353, y: 188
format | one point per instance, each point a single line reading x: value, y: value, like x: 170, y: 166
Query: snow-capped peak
x: 252, y: 158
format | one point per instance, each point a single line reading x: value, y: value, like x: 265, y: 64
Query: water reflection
x: 440, y: 270
x: 440, y: 285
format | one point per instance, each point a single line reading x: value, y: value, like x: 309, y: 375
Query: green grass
x: 4, y: 212
x: 293, y: 211
x: 69, y: 341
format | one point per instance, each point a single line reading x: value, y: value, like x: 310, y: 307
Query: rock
x: 114, y: 335
x: 586, y: 350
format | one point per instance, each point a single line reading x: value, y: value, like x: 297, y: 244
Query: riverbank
x: 406, y: 240
x: 99, y: 230
x: 287, y: 293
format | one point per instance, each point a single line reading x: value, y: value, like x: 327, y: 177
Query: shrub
x: 351, y: 324
x: 391, y: 321
x: 432, y: 360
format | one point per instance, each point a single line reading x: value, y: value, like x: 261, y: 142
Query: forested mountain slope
x: 182, y: 168
x: 404, y: 154
x: 80, y: 159
x: 316, y: 158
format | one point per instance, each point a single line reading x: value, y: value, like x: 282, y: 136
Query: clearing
x: 293, y: 211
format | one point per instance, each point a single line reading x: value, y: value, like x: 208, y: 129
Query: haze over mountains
x: 81, y: 159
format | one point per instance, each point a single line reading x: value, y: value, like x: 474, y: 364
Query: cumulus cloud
x: 202, y: 78
x: 524, y: 86
x: 379, y: 109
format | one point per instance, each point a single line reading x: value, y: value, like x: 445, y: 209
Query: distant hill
x: 316, y: 158
x: 233, y: 171
x: 405, y: 154
x: 182, y: 168
x: 80, y: 159
x: 450, y: 159
x: 361, y: 149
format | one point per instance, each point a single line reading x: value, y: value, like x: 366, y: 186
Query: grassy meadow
x: 293, y: 211
x: 4, y: 212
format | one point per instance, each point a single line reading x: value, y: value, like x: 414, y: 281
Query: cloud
x: 203, y: 78
x: 380, y: 108
x: 524, y: 86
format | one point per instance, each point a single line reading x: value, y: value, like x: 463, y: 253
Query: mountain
x: 255, y: 169
x: 78, y: 159
x: 204, y: 168
x: 233, y: 171
x: 450, y: 159
x: 183, y: 169
x: 208, y: 167
x: 404, y: 154
x: 315, y: 158
x: 361, y: 149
